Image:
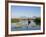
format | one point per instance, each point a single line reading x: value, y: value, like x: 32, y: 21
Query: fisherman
x: 29, y: 22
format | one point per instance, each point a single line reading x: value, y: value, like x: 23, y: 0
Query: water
x: 25, y: 26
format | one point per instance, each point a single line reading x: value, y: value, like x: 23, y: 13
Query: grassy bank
x: 14, y: 20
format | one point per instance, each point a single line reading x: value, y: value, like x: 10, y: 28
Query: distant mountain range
x: 24, y: 17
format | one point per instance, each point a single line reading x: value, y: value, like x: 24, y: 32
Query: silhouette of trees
x: 37, y: 21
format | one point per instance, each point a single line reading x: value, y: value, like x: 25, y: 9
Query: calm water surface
x: 24, y: 27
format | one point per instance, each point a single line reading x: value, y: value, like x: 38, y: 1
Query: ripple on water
x: 14, y: 28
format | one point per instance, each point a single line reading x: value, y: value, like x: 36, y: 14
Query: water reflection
x: 23, y: 25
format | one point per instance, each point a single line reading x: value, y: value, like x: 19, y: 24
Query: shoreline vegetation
x: 36, y: 20
x: 14, y: 20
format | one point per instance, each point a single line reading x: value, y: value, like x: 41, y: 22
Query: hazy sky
x: 28, y: 11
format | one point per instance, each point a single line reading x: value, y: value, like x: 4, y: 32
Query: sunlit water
x: 25, y: 26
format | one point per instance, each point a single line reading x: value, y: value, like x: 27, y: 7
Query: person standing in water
x: 29, y: 22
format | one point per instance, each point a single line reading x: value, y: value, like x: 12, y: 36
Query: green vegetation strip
x: 14, y: 20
